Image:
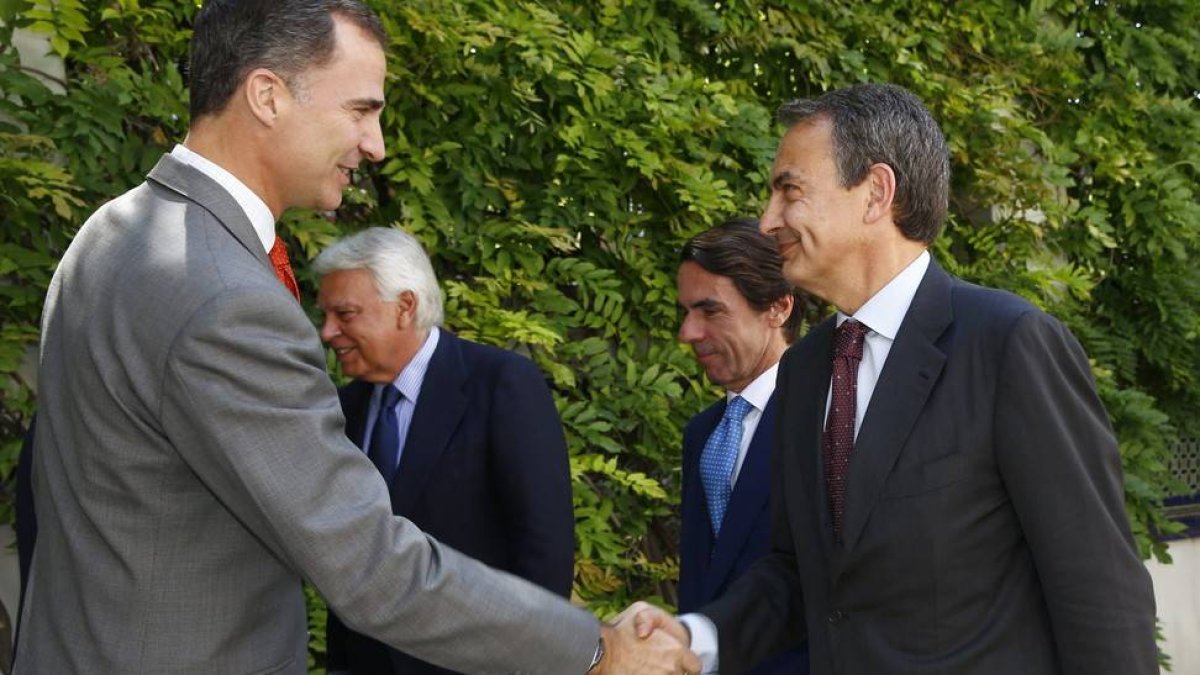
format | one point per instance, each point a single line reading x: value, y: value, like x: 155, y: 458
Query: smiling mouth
x: 786, y: 247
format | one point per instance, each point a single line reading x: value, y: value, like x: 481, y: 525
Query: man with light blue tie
x: 466, y: 436
x: 740, y: 314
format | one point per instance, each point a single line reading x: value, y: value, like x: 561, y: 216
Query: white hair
x: 396, y: 262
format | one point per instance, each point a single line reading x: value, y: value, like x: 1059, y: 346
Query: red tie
x: 283, y: 266
x: 839, y: 427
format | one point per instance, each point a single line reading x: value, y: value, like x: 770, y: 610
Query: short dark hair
x: 883, y: 123
x: 230, y: 38
x: 738, y: 250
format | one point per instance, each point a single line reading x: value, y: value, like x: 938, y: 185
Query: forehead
x: 346, y: 287
x: 806, y: 148
x: 697, y: 284
x: 358, y: 62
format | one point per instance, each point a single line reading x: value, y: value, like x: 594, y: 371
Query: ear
x: 780, y: 310
x: 881, y: 180
x: 265, y: 94
x: 406, y: 309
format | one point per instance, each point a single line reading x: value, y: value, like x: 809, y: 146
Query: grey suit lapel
x: 206, y: 192
x: 913, y: 367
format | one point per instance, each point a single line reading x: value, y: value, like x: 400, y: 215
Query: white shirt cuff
x: 704, y: 640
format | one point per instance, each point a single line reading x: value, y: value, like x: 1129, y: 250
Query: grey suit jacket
x: 191, y: 468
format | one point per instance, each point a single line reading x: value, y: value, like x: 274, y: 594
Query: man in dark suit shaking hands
x: 466, y: 436
x: 947, y: 488
x: 738, y: 317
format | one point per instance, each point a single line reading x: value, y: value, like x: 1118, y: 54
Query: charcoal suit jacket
x: 985, y: 530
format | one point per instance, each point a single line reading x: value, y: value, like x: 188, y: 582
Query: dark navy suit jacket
x: 484, y: 470
x: 707, y: 567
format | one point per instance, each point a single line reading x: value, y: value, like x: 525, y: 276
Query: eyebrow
x: 781, y: 178
x: 365, y: 104
x: 704, y: 303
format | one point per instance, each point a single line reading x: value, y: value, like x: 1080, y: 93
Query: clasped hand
x: 645, y: 640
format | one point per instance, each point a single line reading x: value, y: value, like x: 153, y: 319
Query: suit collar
x: 356, y: 400
x: 912, y: 368
x: 440, y: 408
x: 206, y: 192
x: 807, y: 393
x: 751, y: 495
x: 252, y: 205
x: 885, y: 311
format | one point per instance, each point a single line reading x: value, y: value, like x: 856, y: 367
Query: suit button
x: 837, y: 616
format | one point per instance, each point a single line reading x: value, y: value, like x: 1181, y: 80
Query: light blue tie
x: 719, y: 456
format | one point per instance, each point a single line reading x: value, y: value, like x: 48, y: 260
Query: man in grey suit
x: 191, y: 465
x: 947, y: 488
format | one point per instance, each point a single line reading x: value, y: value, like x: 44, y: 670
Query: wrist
x: 598, y: 656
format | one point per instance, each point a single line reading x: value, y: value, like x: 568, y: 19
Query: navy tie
x: 719, y: 456
x: 838, y: 440
x: 385, y: 435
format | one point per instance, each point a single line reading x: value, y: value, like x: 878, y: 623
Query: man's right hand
x: 630, y: 651
x: 647, y: 618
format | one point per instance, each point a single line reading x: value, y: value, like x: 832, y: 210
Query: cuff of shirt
x: 704, y: 640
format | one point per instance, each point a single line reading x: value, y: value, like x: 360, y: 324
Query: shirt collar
x: 252, y: 205
x: 759, y: 391
x: 410, y: 378
x: 885, y: 311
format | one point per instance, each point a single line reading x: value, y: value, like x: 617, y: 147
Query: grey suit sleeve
x: 248, y: 405
x: 1060, y: 463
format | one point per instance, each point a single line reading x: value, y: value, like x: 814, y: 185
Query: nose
x: 372, y: 146
x: 329, y: 328
x: 772, y: 217
x: 689, y: 330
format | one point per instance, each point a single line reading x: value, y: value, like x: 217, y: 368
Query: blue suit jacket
x: 484, y: 470
x: 707, y: 567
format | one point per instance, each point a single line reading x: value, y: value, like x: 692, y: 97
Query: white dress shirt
x: 882, y: 315
x: 757, y: 393
x: 254, y: 207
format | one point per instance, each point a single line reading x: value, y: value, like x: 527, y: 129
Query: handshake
x: 644, y: 640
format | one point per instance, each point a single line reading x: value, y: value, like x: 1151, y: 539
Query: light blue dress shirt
x: 409, y: 383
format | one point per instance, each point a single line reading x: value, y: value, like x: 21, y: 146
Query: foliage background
x: 553, y: 156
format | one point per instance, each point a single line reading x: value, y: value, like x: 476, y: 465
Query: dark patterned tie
x: 283, y: 266
x: 839, y: 426
x: 385, y: 435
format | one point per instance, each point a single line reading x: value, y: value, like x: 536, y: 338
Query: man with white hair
x: 465, y: 435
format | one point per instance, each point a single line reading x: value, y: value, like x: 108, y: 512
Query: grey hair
x: 396, y: 262
x: 885, y: 124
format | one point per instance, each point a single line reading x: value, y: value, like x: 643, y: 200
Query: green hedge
x: 553, y: 156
